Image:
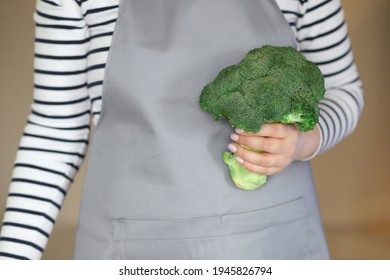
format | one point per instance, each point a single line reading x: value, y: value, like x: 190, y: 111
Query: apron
x: 156, y: 186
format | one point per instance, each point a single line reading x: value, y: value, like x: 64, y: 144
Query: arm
x: 56, y: 135
x: 323, y: 38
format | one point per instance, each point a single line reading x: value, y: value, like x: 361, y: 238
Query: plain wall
x: 353, y: 179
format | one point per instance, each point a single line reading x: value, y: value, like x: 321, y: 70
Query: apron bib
x: 156, y: 185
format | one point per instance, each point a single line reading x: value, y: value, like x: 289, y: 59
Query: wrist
x: 309, y: 144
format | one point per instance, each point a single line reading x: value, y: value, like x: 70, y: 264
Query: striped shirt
x: 72, y: 41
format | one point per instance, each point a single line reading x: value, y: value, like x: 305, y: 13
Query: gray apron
x: 156, y: 185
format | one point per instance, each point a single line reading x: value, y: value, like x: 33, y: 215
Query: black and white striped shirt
x: 73, y: 38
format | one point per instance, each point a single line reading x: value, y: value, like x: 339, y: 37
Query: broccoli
x: 243, y: 178
x: 271, y: 84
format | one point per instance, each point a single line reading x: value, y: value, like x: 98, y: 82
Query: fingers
x: 261, y: 169
x: 277, y: 143
x: 273, y: 138
x: 261, y: 163
x: 264, y: 144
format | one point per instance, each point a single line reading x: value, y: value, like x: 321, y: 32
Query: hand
x: 281, y: 144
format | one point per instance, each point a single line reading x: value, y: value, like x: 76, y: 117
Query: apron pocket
x: 277, y: 232
x: 168, y: 239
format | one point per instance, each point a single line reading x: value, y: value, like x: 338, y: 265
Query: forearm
x: 56, y: 136
x: 323, y: 38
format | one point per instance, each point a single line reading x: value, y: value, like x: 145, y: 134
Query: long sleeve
x: 56, y: 135
x: 323, y: 38
x: 72, y: 43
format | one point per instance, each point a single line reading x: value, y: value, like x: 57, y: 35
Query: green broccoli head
x: 243, y: 178
x: 271, y: 84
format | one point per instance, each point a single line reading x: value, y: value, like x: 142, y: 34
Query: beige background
x: 353, y: 179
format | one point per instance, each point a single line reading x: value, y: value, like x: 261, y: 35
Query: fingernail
x: 239, y: 130
x: 239, y: 160
x: 234, y: 137
x: 232, y: 148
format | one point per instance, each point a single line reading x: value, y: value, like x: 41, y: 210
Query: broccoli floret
x: 271, y: 84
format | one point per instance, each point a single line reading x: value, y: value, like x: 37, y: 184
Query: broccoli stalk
x: 271, y: 84
x: 241, y: 177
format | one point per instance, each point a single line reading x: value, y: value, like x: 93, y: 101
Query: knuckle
x: 274, y: 129
x: 241, y: 152
x: 253, y: 157
x: 269, y: 145
x: 245, y: 142
x: 266, y: 161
